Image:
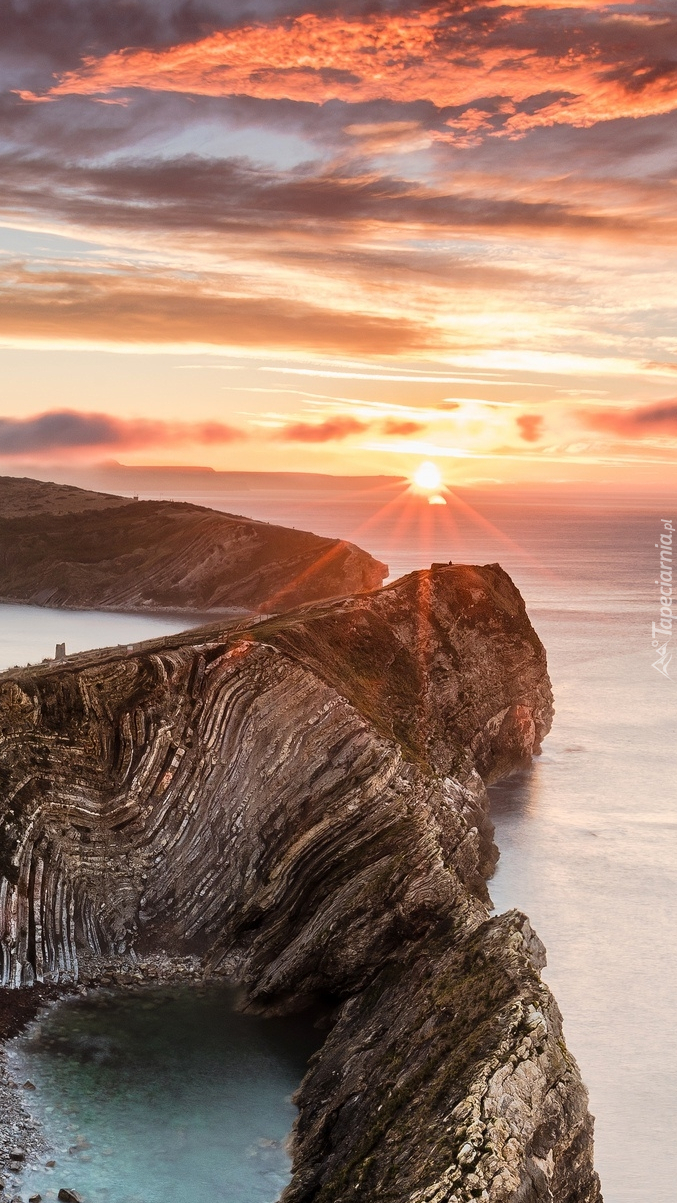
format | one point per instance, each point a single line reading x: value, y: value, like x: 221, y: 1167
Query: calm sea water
x: 588, y: 837
x: 29, y: 634
x: 162, y: 1097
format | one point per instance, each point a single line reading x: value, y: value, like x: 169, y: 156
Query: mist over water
x: 588, y: 837
x: 588, y: 841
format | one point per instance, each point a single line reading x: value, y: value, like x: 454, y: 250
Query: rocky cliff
x: 66, y: 547
x: 303, y: 805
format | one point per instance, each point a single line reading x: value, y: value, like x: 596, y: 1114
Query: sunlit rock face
x: 303, y: 804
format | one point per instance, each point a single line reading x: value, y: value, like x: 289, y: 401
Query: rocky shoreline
x: 22, y: 1141
x: 21, y: 1138
x: 302, y: 806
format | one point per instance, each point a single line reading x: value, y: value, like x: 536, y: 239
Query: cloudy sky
x: 341, y: 237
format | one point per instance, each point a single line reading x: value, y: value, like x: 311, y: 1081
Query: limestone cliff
x: 303, y: 804
x: 66, y: 547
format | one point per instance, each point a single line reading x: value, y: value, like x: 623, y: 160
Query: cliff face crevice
x: 303, y: 805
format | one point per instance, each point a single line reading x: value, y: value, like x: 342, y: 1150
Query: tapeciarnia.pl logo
x: 661, y: 632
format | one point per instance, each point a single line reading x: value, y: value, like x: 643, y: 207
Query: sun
x: 428, y: 477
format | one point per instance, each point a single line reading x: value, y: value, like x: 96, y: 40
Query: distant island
x: 72, y: 548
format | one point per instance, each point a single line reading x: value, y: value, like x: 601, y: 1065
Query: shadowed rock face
x: 108, y: 553
x: 303, y: 803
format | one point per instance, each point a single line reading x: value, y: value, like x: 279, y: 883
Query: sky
x: 341, y: 237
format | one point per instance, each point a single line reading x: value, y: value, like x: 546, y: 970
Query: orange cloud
x: 342, y: 427
x: 402, y: 428
x: 162, y: 308
x: 530, y: 427
x: 615, y: 68
x: 322, y: 432
x: 660, y: 418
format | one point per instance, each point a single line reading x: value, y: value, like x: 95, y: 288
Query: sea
x: 165, y: 1096
x: 588, y: 835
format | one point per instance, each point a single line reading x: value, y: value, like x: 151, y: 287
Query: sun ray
x: 490, y: 528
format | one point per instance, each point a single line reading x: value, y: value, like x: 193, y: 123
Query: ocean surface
x: 29, y: 634
x: 588, y: 836
x: 163, y: 1097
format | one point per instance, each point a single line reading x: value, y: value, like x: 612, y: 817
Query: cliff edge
x: 303, y: 805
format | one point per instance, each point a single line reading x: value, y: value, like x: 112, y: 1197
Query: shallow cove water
x: 162, y: 1095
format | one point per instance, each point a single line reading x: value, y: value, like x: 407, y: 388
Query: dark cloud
x: 54, y: 35
x: 224, y: 197
x: 530, y: 427
x: 46, y: 36
x: 69, y: 430
x: 660, y: 418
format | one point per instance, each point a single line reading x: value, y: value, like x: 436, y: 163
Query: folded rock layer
x: 303, y: 804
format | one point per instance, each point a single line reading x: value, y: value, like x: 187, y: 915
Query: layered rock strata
x: 109, y: 553
x: 303, y: 805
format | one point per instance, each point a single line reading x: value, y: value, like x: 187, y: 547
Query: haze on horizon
x: 341, y: 237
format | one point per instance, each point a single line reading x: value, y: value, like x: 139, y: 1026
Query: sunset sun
x: 428, y: 477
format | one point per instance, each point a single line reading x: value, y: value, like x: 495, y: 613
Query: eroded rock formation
x: 109, y: 553
x: 303, y: 804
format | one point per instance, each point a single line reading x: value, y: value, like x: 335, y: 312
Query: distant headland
x: 72, y: 548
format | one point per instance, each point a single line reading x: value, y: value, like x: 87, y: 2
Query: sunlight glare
x: 428, y: 476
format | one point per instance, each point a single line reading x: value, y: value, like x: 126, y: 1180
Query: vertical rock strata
x: 303, y: 804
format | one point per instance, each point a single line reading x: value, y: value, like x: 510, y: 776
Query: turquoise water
x: 163, y: 1096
